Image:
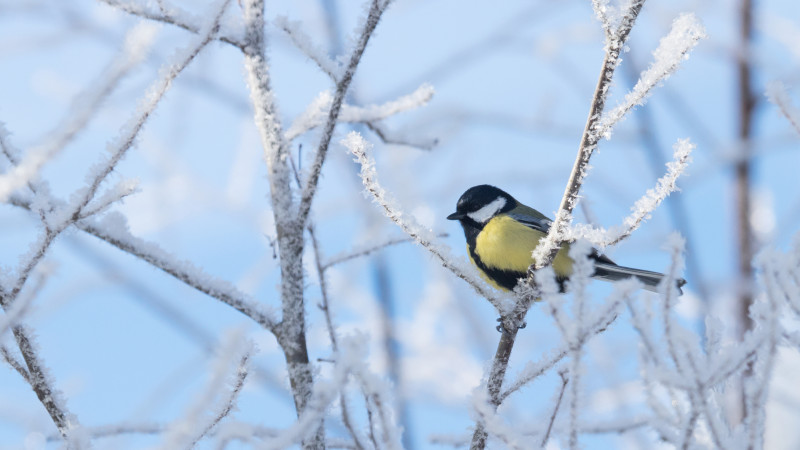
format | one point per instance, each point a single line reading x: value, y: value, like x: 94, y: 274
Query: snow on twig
x: 549, y: 245
x: 119, y: 146
x: 601, y: 10
x: 685, y: 34
x: 121, y: 190
x: 113, y: 229
x: 173, y: 16
x: 367, y: 250
x: 595, y: 324
x: 494, y: 424
x: 776, y: 93
x: 137, y: 44
x: 643, y: 207
x: 43, y: 385
x: 16, y: 365
x: 369, y: 177
x: 196, y: 423
x: 376, y: 10
x: 349, y: 360
x: 305, y: 44
x: 564, y: 382
x: 317, y: 111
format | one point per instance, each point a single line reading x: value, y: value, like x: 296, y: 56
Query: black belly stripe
x: 507, y: 278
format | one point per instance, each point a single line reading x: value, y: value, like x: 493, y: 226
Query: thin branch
x: 42, y: 385
x: 369, y: 250
x: 316, y: 112
x: 85, y: 106
x: 549, y: 246
x: 673, y: 48
x: 165, y: 17
x: 360, y: 149
x: 776, y: 92
x: 113, y: 232
x: 495, y: 380
x: 643, y: 207
x: 375, y: 11
x: 15, y: 364
x: 325, y: 307
x: 228, y: 404
x: 533, y: 370
x: 564, y: 381
x: 332, y: 68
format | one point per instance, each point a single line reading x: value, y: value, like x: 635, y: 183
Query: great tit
x: 502, y: 233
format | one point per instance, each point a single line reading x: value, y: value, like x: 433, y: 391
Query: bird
x: 502, y: 233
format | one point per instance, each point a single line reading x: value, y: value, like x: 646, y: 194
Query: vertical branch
x: 325, y: 307
x: 742, y: 181
x: 291, y: 331
x: 495, y: 380
x: 547, y: 249
x: 375, y: 11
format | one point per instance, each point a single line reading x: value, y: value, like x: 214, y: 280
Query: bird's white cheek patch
x: 488, y: 211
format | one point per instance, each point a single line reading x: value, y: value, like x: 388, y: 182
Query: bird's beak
x: 456, y: 216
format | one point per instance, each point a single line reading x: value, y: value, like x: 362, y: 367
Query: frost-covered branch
x: 137, y: 44
x: 16, y: 365
x: 776, y: 93
x: 685, y: 34
x: 325, y: 307
x: 601, y: 321
x: 368, y: 250
x: 376, y: 10
x: 369, y: 177
x: 59, y: 220
x: 113, y: 229
x: 494, y: 381
x: 317, y: 111
x: 304, y: 43
x: 549, y: 245
x: 172, y: 17
x: 290, y: 232
x: 493, y: 424
x: 197, y: 423
x: 121, y: 190
x: 564, y: 382
x: 44, y: 387
x: 643, y: 207
x: 348, y: 360
x: 333, y: 69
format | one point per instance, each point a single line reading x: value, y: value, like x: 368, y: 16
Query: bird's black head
x: 479, y: 204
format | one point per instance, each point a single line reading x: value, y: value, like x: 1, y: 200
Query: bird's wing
x: 541, y: 224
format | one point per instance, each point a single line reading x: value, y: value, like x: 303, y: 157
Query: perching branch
x: 495, y: 380
x: 549, y: 246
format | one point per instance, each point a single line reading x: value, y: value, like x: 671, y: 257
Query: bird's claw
x: 502, y: 328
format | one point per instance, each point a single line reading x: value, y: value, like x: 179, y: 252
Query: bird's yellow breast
x: 506, y: 244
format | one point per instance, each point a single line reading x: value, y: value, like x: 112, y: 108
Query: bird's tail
x: 613, y: 272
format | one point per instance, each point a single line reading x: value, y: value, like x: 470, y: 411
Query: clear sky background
x: 513, y: 82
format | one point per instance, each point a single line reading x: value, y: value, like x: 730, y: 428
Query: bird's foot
x: 501, y: 327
